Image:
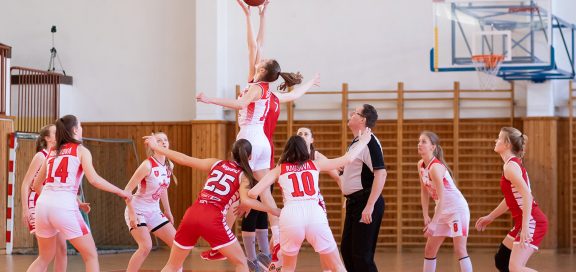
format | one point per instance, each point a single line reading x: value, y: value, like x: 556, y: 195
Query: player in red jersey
x: 57, y: 183
x: 227, y: 182
x: 451, y: 213
x: 302, y: 217
x: 143, y: 214
x: 530, y: 223
x: 254, y: 105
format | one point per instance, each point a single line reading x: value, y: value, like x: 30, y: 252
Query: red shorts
x: 206, y: 221
x: 538, y: 228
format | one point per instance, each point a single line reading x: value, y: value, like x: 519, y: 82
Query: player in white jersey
x: 143, y: 214
x: 57, y: 211
x: 302, y: 217
x: 253, y: 106
x: 308, y: 136
x: 451, y: 214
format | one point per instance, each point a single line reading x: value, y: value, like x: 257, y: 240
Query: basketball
x: 254, y: 3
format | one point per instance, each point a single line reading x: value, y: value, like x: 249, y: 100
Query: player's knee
x: 502, y: 258
x: 461, y: 251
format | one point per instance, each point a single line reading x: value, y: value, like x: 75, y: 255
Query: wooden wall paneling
x: 6, y: 127
x: 564, y: 180
x: 24, y: 154
x: 480, y: 169
x: 541, y: 164
x: 400, y: 175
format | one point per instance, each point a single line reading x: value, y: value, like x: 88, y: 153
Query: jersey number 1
x: 61, y: 171
x: 307, y: 182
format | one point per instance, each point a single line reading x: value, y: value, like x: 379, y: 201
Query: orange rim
x: 490, y: 61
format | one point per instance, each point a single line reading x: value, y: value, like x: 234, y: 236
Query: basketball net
x: 487, y: 67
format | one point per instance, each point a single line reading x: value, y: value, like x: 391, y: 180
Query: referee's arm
x: 379, y: 179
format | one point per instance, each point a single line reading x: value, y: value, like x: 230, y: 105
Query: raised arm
x: 253, y: 94
x: 332, y: 173
x: 252, y: 44
x: 264, y: 183
x: 93, y: 177
x: 35, y: 165
x: 179, y: 158
x: 332, y: 164
x: 299, y: 91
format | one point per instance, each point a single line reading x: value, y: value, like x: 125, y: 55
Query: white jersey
x: 152, y: 186
x: 452, y: 198
x: 64, y: 171
x: 255, y: 113
x: 299, y: 182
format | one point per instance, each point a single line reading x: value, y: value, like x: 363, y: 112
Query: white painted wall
x: 128, y: 55
x: 132, y: 60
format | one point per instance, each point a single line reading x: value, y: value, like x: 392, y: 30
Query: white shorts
x: 306, y: 220
x: 153, y: 220
x: 261, y: 150
x: 451, y: 224
x: 32, y: 198
x: 57, y: 212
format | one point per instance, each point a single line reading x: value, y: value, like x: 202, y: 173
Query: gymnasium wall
x: 131, y: 60
x: 468, y: 145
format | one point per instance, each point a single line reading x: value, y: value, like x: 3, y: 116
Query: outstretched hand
x: 150, y: 141
x: 263, y: 7
x: 245, y: 7
x: 316, y: 80
x: 201, y: 97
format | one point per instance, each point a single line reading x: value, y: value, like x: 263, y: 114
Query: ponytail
x: 312, y: 152
x: 438, y: 151
x: 290, y: 79
x: 41, y: 140
x: 439, y: 154
x: 517, y: 140
x: 65, y: 132
x: 241, y: 151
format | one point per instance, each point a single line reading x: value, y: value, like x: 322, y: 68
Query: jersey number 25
x: 219, y: 183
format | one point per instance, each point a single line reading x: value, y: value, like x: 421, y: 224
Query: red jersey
x: 512, y: 195
x: 221, y: 188
x: 270, y: 124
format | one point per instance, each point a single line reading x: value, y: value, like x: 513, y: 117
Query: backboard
x: 520, y: 31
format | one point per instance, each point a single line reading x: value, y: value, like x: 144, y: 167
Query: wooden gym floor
x: 545, y: 260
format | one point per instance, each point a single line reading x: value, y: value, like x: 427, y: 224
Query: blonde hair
x: 169, y: 164
x: 516, y: 139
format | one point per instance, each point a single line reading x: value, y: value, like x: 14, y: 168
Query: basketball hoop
x: 488, y: 67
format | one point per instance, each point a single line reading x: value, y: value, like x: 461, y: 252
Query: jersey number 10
x: 307, y: 182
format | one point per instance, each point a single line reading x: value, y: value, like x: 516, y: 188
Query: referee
x: 362, y: 181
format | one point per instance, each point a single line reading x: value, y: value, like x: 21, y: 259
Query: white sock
x: 429, y: 265
x: 262, y: 239
x: 465, y: 264
x: 249, y: 239
x: 275, y: 234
